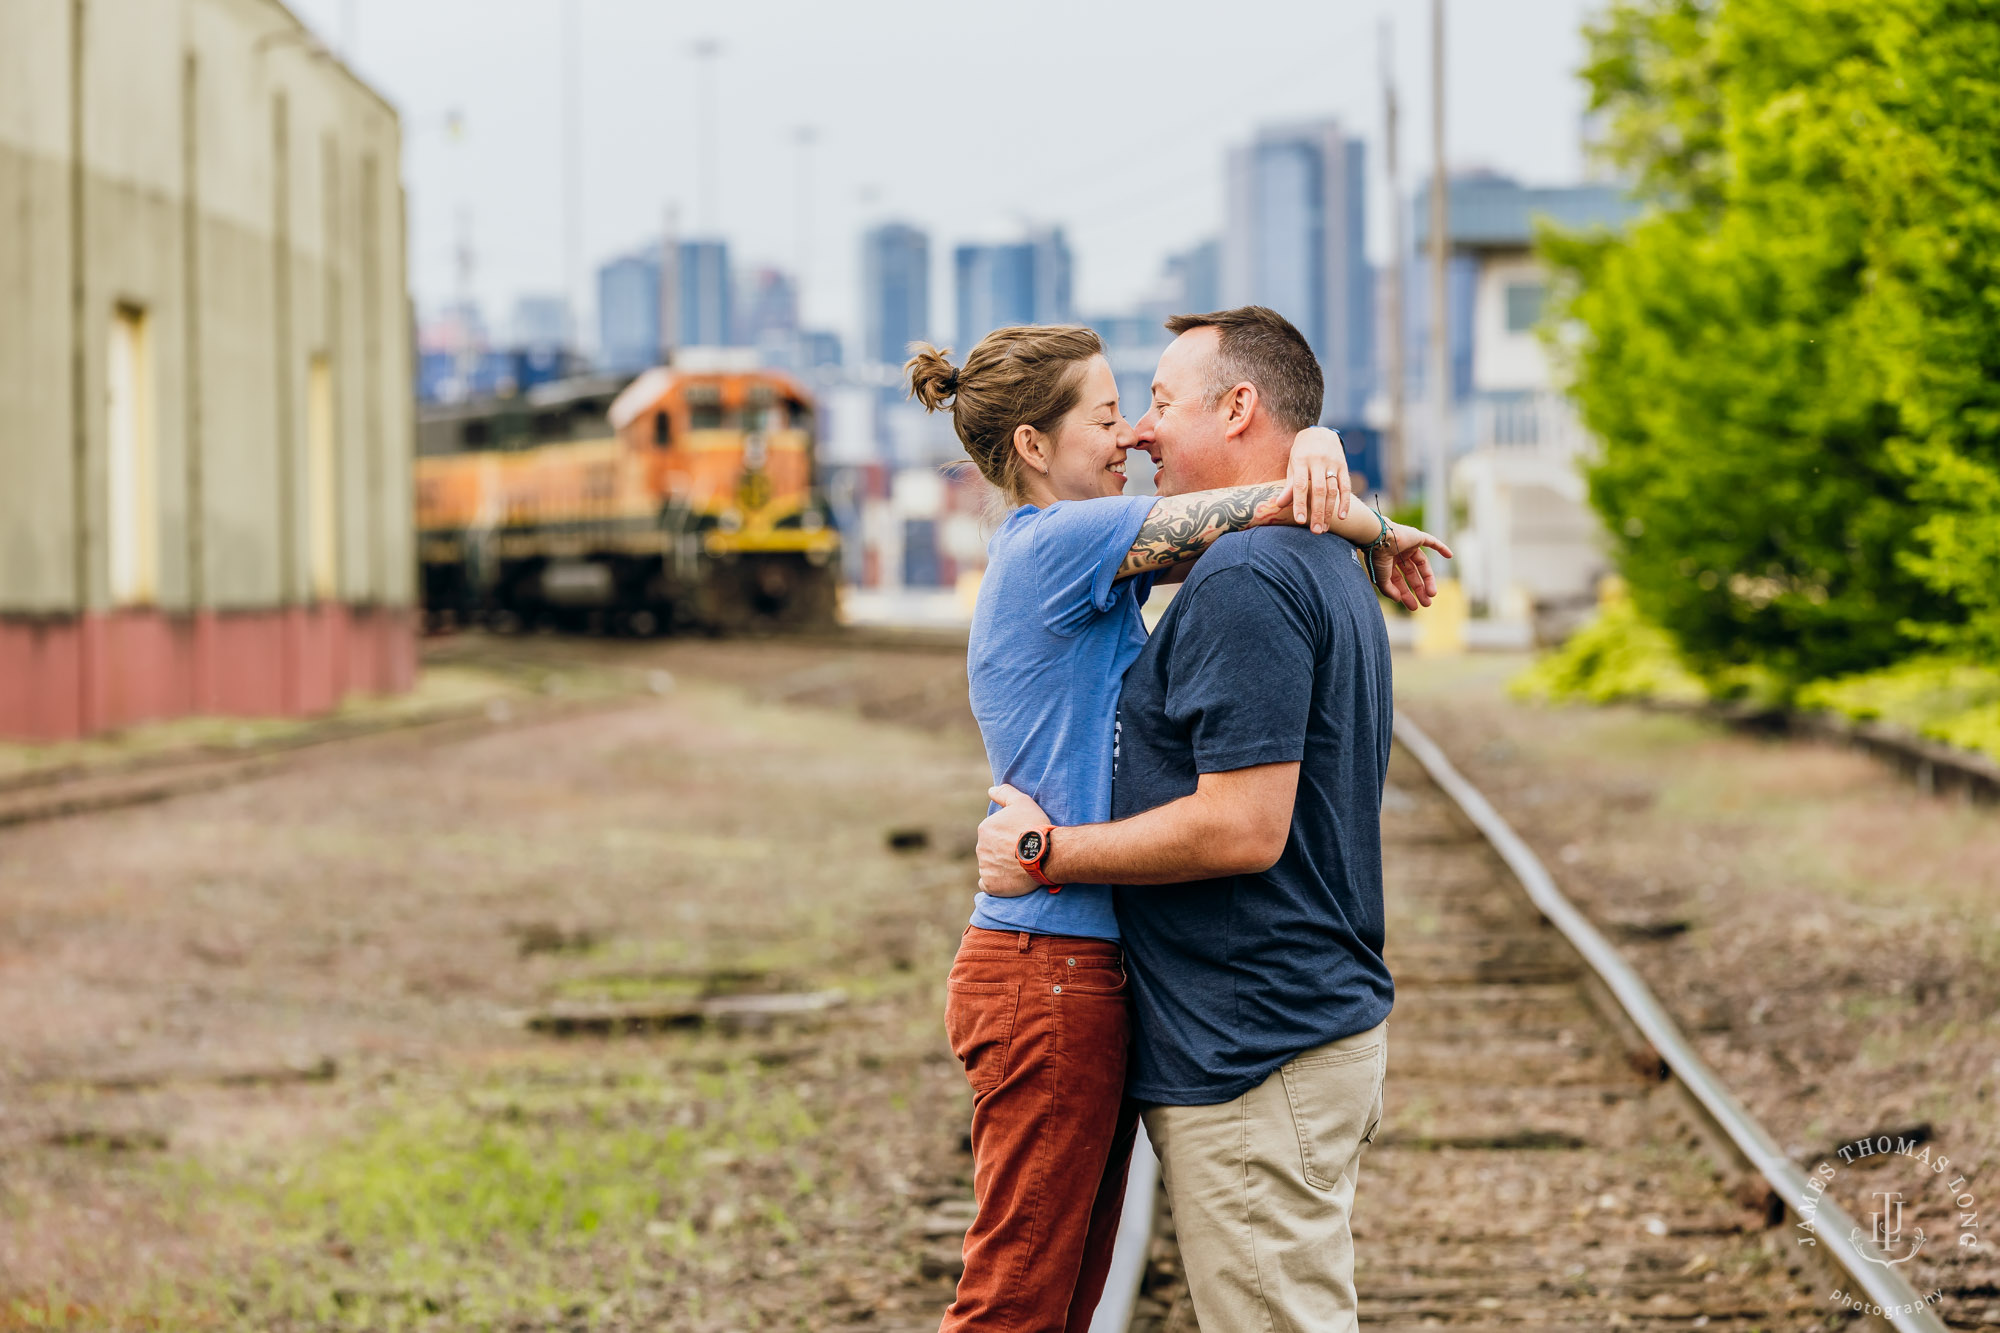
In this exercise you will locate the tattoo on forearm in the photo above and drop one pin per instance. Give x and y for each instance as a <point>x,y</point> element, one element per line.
<point>1181,527</point>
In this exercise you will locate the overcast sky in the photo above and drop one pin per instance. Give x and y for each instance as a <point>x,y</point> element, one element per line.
<point>1109,117</point>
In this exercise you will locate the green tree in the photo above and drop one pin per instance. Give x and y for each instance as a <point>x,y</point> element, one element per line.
<point>1793,360</point>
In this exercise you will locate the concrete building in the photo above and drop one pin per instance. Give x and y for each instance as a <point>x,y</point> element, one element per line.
<point>1531,542</point>
<point>1194,279</point>
<point>767,307</point>
<point>1294,239</point>
<point>818,349</point>
<point>205,383</point>
<point>630,297</point>
<point>704,296</point>
<point>628,312</point>
<point>1020,282</point>
<point>895,292</point>
<point>542,322</point>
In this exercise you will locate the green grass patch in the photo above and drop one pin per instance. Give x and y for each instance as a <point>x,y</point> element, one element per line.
<point>632,989</point>
<point>1621,657</point>
<point>530,1190</point>
<point>542,1162</point>
<point>1955,702</point>
<point>1618,656</point>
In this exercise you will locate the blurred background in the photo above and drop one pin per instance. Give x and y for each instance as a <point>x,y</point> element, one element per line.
<point>421,241</point>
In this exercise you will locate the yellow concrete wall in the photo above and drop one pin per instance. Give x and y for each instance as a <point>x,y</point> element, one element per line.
<point>225,162</point>
<point>36,559</point>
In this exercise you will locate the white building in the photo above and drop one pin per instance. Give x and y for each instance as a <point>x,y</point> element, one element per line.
<point>1529,539</point>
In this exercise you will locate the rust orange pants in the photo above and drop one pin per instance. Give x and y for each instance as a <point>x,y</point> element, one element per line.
<point>1042,1024</point>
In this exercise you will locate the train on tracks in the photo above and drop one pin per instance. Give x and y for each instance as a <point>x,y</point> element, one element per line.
<point>685,500</point>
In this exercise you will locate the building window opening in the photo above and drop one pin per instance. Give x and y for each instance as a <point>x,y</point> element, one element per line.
<point>322,483</point>
<point>1524,305</point>
<point>132,464</point>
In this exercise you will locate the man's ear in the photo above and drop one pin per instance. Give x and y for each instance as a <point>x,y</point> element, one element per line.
<point>1028,444</point>
<point>1240,408</point>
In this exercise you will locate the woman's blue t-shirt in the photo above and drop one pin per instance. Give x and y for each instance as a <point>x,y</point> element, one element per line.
<point>1051,637</point>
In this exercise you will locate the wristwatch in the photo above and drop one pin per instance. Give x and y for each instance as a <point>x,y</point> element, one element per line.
<point>1031,851</point>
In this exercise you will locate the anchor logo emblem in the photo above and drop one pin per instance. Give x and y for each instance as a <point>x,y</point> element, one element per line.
<point>1887,1233</point>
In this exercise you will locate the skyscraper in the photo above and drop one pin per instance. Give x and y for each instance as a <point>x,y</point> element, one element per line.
<point>1022,282</point>
<point>1295,240</point>
<point>1054,303</point>
<point>703,293</point>
<point>895,291</point>
<point>767,307</point>
<point>540,322</point>
<point>628,312</point>
<point>1194,278</point>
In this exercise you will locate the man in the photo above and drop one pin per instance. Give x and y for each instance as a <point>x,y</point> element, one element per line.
<point>1253,743</point>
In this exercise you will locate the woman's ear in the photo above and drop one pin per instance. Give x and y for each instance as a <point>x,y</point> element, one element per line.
<point>1028,444</point>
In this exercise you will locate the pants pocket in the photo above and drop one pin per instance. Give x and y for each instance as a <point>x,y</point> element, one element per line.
<point>979,1020</point>
<point>1336,1099</point>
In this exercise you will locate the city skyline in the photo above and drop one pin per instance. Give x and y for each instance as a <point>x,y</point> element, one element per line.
<point>895,94</point>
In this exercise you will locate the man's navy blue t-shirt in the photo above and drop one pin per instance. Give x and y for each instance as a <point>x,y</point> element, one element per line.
<point>1274,651</point>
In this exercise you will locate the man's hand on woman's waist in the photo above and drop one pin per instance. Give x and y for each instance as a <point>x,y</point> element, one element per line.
<point>1000,872</point>
<point>1236,822</point>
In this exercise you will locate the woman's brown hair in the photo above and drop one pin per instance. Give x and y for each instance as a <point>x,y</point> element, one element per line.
<point>1030,374</point>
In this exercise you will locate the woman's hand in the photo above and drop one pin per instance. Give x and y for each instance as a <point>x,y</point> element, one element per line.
<point>1403,570</point>
<point>1000,872</point>
<point>1321,488</point>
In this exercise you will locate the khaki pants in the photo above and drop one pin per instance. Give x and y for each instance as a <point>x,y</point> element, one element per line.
<point>1262,1189</point>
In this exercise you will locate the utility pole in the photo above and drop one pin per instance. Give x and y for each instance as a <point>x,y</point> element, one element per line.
<point>1395,452</point>
<point>706,210</point>
<point>463,262</point>
<point>670,286</point>
<point>572,113</point>
<point>1437,505</point>
<point>463,259</point>
<point>804,137</point>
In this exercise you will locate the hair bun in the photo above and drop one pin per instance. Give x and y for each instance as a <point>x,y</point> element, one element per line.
<point>933,379</point>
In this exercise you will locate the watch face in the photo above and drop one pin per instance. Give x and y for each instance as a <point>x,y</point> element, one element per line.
<point>1030,848</point>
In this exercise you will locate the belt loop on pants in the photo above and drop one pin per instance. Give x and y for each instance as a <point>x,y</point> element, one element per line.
<point>1024,940</point>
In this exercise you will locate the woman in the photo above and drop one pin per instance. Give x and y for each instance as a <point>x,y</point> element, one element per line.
<point>1036,1005</point>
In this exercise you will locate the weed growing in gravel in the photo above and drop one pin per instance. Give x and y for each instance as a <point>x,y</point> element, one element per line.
<point>565,1193</point>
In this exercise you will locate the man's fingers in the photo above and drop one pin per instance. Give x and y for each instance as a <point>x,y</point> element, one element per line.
<point>1005,795</point>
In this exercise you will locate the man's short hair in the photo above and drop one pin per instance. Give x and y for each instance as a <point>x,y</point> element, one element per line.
<point>1259,346</point>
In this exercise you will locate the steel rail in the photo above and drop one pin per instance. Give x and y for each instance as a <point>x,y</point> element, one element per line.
<point>1135,1239</point>
<point>1899,1303</point>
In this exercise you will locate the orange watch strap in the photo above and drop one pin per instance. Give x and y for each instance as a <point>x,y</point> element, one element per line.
<point>1034,866</point>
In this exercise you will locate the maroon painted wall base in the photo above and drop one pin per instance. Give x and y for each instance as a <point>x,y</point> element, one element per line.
<point>67,676</point>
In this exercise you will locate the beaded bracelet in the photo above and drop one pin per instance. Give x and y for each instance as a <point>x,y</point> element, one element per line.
<point>1368,553</point>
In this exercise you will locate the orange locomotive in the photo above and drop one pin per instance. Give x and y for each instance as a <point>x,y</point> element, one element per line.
<point>695,509</point>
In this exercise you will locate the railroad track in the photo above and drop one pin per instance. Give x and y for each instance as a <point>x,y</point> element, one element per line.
<point>1553,1154</point>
